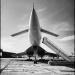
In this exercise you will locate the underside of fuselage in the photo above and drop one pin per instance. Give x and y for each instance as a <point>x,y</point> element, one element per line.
<point>39,51</point>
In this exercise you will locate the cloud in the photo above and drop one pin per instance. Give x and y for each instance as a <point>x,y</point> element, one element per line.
<point>17,45</point>
<point>23,17</point>
<point>67,38</point>
<point>64,26</point>
<point>22,27</point>
<point>41,10</point>
<point>6,43</point>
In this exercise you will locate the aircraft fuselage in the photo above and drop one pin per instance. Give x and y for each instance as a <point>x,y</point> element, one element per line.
<point>34,29</point>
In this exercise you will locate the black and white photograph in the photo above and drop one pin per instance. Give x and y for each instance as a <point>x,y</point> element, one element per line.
<point>37,37</point>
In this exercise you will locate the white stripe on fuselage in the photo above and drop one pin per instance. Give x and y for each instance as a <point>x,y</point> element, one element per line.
<point>34,30</point>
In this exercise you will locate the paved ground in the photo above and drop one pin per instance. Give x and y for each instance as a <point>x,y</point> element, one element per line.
<point>20,67</point>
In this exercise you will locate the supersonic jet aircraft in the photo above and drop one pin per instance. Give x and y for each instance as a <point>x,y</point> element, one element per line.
<point>34,33</point>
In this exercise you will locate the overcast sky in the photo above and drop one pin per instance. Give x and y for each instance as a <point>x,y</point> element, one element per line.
<point>54,15</point>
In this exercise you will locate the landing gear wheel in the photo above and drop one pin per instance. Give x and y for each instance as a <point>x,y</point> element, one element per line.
<point>35,62</point>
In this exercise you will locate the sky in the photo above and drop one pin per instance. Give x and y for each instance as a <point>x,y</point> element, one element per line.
<point>54,15</point>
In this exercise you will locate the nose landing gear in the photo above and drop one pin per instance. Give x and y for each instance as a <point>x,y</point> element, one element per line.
<point>35,53</point>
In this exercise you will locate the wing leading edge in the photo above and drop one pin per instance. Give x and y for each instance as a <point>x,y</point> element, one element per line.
<point>42,30</point>
<point>18,33</point>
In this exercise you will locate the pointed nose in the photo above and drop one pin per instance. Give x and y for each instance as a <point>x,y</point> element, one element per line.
<point>34,17</point>
<point>33,11</point>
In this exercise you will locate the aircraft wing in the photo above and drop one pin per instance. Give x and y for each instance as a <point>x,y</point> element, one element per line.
<point>19,54</point>
<point>48,32</point>
<point>18,33</point>
<point>51,54</point>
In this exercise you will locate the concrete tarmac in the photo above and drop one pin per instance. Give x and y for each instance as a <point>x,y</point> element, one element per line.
<point>20,67</point>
